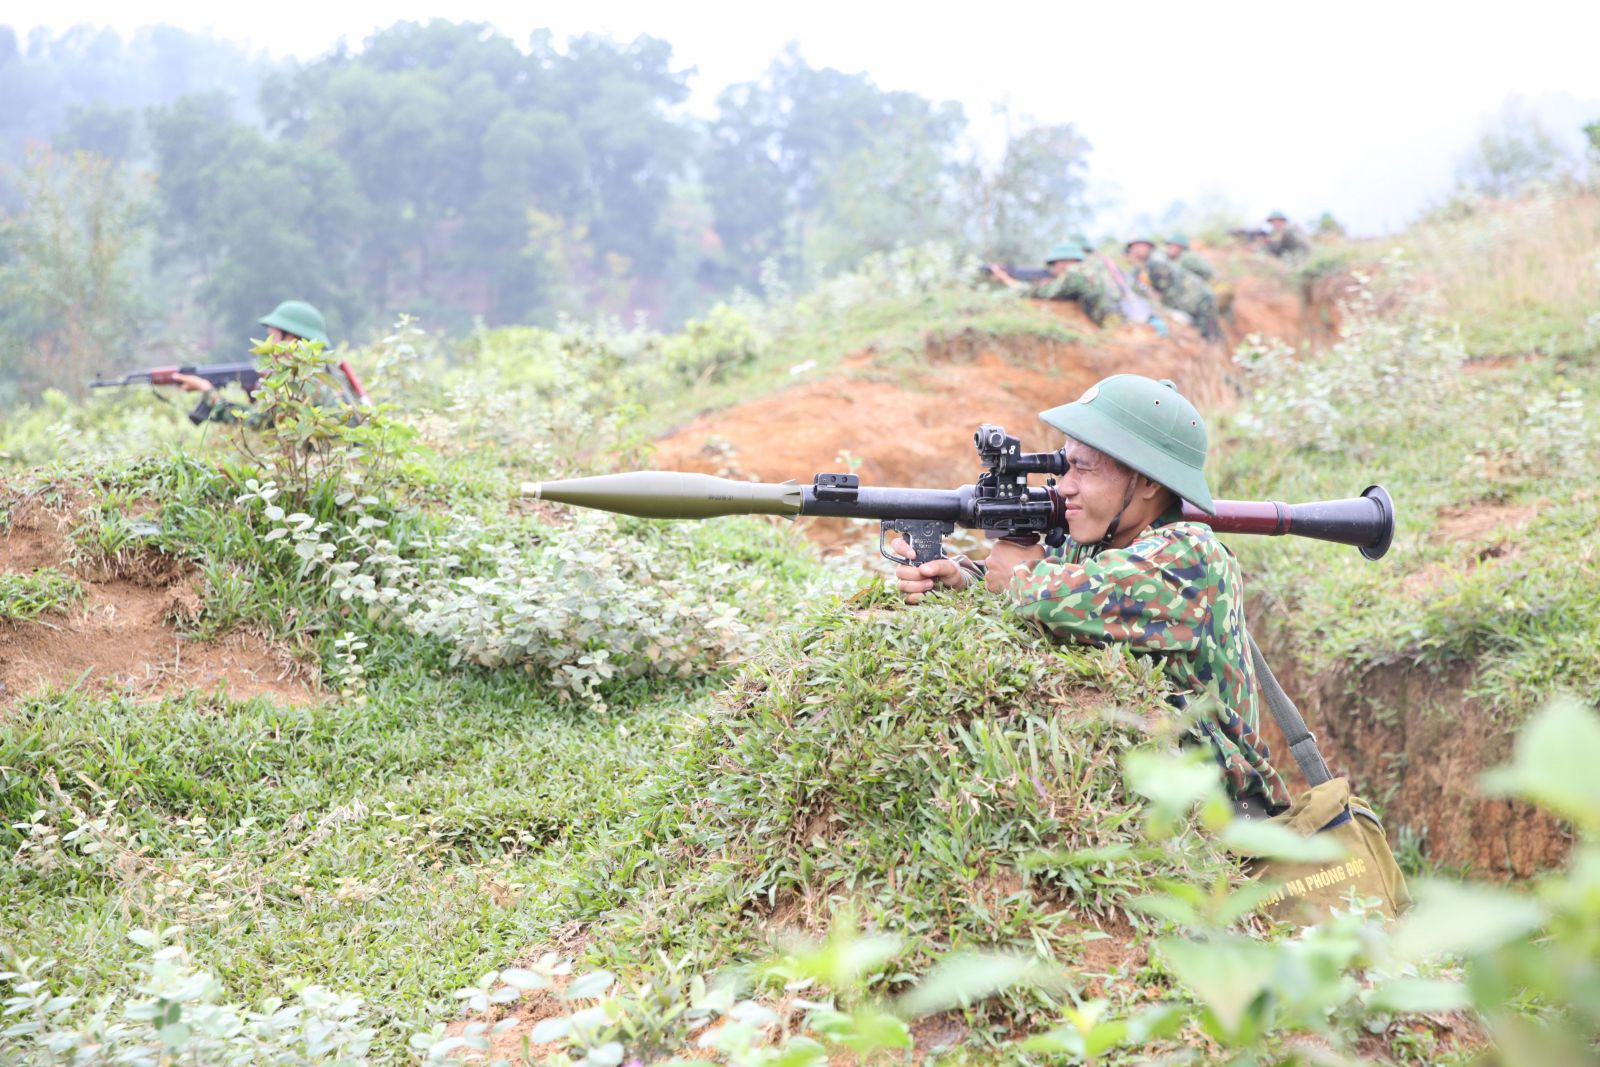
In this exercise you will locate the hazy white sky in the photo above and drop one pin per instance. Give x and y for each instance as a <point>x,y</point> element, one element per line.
<point>1356,106</point>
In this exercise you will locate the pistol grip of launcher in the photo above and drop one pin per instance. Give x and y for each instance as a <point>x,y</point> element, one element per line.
<point>925,536</point>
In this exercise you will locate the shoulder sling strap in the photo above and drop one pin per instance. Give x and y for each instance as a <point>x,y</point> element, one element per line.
<point>1302,742</point>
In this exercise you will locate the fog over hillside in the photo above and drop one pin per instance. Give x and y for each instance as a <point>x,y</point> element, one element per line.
<point>1359,109</point>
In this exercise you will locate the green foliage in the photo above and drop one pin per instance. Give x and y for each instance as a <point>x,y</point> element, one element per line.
<point>306,430</point>
<point>1386,370</point>
<point>1394,394</point>
<point>176,1012</point>
<point>1516,275</point>
<point>25,597</point>
<point>446,169</point>
<point>940,770</point>
<point>69,304</point>
<point>1036,196</point>
<point>259,220</point>
<point>85,87</point>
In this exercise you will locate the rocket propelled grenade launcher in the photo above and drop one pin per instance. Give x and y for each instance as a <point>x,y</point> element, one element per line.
<point>1002,502</point>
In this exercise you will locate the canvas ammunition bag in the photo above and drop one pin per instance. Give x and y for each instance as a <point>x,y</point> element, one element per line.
<point>1308,892</point>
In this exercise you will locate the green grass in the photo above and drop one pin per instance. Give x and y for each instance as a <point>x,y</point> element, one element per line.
<point>940,772</point>
<point>1515,599</point>
<point>396,848</point>
<point>25,597</point>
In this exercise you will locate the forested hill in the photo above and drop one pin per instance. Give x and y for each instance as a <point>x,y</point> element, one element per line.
<point>449,171</point>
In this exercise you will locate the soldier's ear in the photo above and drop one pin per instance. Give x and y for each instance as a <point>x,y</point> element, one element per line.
<point>1145,489</point>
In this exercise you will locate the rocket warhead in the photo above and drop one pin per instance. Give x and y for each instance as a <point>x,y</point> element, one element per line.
<point>670,495</point>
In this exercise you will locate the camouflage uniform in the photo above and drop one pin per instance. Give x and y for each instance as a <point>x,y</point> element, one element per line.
<point>1183,291</point>
<point>214,407</point>
<point>1080,282</point>
<point>1176,593</point>
<point>1288,243</point>
<point>1194,264</point>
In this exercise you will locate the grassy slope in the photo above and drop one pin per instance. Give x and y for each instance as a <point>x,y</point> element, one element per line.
<point>397,845</point>
<point>400,846</point>
<point>1515,597</point>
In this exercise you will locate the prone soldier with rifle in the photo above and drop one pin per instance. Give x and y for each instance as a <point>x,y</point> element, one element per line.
<point>290,322</point>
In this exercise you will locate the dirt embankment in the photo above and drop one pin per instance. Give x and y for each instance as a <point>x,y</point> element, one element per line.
<point>1416,743</point>
<point>123,635</point>
<point>914,427</point>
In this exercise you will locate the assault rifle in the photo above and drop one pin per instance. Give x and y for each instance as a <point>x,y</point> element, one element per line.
<point>1001,502</point>
<point>1021,274</point>
<point>1251,237</point>
<point>247,375</point>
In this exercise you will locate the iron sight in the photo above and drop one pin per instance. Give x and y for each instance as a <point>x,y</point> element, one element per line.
<point>1001,503</point>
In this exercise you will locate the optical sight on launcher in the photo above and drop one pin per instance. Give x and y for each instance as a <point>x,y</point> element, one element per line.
<point>1001,503</point>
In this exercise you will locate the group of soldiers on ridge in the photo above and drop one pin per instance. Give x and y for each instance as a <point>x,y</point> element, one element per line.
<point>1151,285</point>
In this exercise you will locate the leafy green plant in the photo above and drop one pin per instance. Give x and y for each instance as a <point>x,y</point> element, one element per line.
<point>1388,369</point>
<point>174,1013</point>
<point>305,430</point>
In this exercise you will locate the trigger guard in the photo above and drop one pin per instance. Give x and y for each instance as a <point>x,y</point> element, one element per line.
<point>883,546</point>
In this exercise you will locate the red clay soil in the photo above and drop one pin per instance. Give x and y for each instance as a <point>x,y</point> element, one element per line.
<point>915,428</point>
<point>122,637</point>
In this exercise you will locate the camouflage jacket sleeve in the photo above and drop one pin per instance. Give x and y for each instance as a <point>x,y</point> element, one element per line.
<point>1164,277</point>
<point>1198,266</point>
<point>1140,595</point>
<point>1174,592</point>
<point>1050,287</point>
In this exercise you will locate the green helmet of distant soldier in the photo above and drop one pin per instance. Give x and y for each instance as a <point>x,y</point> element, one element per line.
<point>298,319</point>
<point>1180,240</point>
<point>1147,426</point>
<point>1068,250</point>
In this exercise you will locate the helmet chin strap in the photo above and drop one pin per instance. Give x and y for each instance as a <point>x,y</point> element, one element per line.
<point>1090,551</point>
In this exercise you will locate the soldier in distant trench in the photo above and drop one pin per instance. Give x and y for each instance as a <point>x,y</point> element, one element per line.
<point>292,320</point>
<point>1071,279</point>
<point>1179,253</point>
<point>1135,572</point>
<point>1286,241</point>
<point>1179,289</point>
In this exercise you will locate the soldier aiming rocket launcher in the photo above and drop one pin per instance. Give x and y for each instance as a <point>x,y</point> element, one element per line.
<point>1002,503</point>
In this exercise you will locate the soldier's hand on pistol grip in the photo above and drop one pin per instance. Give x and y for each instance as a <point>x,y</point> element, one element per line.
<point>914,581</point>
<point>1004,559</point>
<point>191,383</point>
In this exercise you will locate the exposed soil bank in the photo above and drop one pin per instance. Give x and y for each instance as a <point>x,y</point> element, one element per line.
<point>124,636</point>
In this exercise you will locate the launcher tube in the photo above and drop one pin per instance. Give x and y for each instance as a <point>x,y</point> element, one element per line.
<point>867,502</point>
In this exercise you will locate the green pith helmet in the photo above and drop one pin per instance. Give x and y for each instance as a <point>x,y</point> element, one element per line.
<point>1144,424</point>
<point>1277,215</point>
<point>1180,240</point>
<point>1083,240</point>
<point>298,318</point>
<point>1139,240</point>
<point>1064,251</point>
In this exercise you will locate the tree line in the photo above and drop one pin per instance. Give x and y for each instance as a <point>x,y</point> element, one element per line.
<point>175,185</point>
